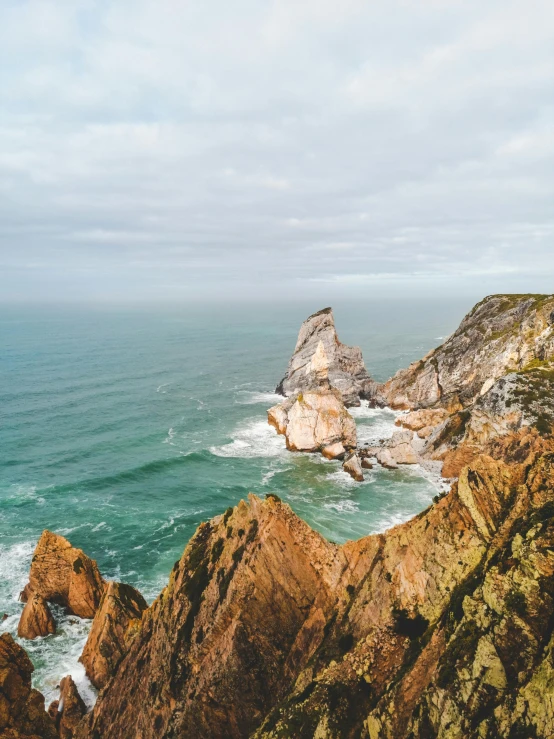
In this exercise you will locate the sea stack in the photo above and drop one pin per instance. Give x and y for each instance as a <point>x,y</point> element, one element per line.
<point>346,371</point>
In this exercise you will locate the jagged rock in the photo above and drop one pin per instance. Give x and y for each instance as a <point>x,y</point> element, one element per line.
<point>275,616</point>
<point>25,593</point>
<point>68,711</point>
<point>316,420</point>
<point>36,619</point>
<point>366,464</point>
<point>318,354</point>
<point>112,629</point>
<point>22,713</point>
<point>502,334</point>
<point>353,466</point>
<point>334,451</point>
<point>63,574</point>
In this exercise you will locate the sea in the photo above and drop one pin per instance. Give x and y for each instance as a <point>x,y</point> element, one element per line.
<point>124,427</point>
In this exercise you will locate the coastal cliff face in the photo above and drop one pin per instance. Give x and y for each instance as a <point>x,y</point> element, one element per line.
<point>345,364</point>
<point>440,627</point>
<point>502,334</point>
<point>266,629</point>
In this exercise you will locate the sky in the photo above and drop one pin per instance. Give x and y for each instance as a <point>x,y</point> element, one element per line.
<point>176,150</point>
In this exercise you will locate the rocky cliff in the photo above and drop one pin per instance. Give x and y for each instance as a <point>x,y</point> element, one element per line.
<point>440,627</point>
<point>266,629</point>
<point>502,334</point>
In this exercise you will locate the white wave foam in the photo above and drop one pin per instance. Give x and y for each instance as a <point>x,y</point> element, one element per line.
<point>342,478</point>
<point>389,520</point>
<point>15,561</point>
<point>160,388</point>
<point>343,506</point>
<point>374,424</point>
<point>253,438</point>
<point>169,438</point>
<point>248,397</point>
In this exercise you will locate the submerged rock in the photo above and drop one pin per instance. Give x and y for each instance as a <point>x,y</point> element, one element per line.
<point>36,619</point>
<point>115,622</point>
<point>319,353</point>
<point>22,712</point>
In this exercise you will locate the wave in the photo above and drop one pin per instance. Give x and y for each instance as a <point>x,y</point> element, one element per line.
<point>253,438</point>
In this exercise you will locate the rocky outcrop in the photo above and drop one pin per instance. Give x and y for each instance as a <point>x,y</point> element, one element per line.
<point>502,334</point>
<point>22,714</point>
<point>265,628</point>
<point>353,466</point>
<point>399,449</point>
<point>68,711</point>
<point>36,619</point>
<point>113,628</point>
<point>318,350</point>
<point>63,574</point>
<point>315,421</point>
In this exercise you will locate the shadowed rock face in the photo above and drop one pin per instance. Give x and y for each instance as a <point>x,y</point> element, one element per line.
<point>68,711</point>
<point>62,574</point>
<point>266,627</point>
<point>22,714</point>
<point>115,622</point>
<point>318,345</point>
<point>36,619</point>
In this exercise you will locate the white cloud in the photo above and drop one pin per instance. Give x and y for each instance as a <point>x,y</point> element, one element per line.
<point>332,142</point>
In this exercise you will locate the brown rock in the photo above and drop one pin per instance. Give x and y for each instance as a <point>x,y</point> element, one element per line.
<point>418,420</point>
<point>22,713</point>
<point>248,617</point>
<point>366,464</point>
<point>69,710</point>
<point>36,619</point>
<point>353,466</point>
<point>63,574</point>
<point>25,593</point>
<point>111,631</point>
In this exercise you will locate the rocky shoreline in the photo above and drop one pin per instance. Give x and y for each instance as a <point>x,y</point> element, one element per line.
<point>440,627</point>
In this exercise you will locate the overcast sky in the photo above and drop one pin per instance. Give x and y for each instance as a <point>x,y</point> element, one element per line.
<point>207,148</point>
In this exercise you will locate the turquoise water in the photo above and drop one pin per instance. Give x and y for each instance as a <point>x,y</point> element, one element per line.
<point>124,428</point>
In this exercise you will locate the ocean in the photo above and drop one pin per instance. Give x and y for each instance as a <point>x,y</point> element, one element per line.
<point>123,428</point>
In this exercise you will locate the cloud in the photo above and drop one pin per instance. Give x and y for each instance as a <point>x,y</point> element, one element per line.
<point>249,148</point>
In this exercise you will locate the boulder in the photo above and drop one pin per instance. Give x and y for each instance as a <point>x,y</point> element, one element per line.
<point>318,419</point>
<point>22,712</point>
<point>319,354</point>
<point>366,464</point>
<point>63,574</point>
<point>353,466</point>
<point>334,451</point>
<point>36,619</point>
<point>121,606</point>
<point>68,711</point>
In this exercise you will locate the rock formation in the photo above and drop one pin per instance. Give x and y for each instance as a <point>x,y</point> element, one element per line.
<point>318,348</point>
<point>315,421</point>
<point>36,619</point>
<point>440,627</point>
<point>353,466</point>
<point>62,574</point>
<point>502,334</point>
<point>22,714</point>
<point>68,711</point>
<point>115,622</point>
<point>267,629</point>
